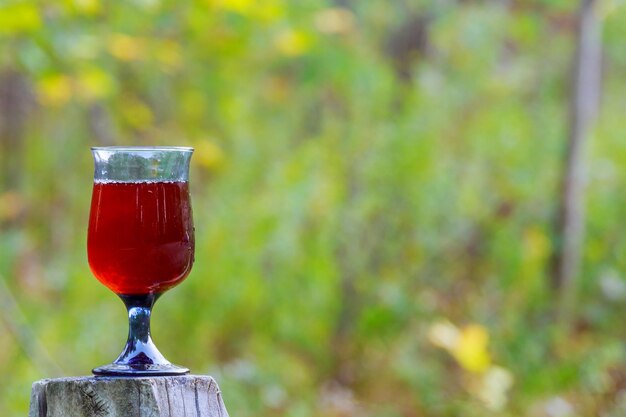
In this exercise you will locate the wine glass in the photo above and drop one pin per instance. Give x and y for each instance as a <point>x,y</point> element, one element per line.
<point>140,241</point>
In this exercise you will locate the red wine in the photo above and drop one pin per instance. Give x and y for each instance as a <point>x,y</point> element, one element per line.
<point>141,237</point>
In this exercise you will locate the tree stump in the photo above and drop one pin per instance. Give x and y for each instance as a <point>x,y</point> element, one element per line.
<point>178,396</point>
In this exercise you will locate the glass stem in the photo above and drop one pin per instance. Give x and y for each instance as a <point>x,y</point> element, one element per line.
<point>140,350</point>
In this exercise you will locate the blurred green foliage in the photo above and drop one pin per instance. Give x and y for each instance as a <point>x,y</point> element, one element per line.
<point>374,188</point>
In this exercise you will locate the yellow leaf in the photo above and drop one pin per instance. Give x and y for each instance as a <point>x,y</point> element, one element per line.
<point>238,6</point>
<point>19,18</point>
<point>93,84</point>
<point>136,113</point>
<point>271,11</point>
<point>209,155</point>
<point>169,55</point>
<point>334,21</point>
<point>471,348</point>
<point>54,90</point>
<point>536,244</point>
<point>259,10</point>
<point>87,7</point>
<point>292,42</point>
<point>193,105</point>
<point>126,48</point>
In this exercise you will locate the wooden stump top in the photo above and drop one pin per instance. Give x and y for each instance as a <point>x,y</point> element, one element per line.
<point>177,396</point>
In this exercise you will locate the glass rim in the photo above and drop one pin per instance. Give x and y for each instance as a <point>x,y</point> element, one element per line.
<point>144,148</point>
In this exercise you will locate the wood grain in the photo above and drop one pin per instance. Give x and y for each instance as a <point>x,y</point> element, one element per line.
<point>179,396</point>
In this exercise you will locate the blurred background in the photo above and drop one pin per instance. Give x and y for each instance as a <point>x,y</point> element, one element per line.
<point>380,219</point>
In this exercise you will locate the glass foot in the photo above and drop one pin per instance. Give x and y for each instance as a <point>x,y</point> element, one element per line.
<point>115,369</point>
<point>140,356</point>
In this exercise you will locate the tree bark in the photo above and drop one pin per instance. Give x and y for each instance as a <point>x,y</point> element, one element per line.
<point>16,105</point>
<point>583,109</point>
<point>179,396</point>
